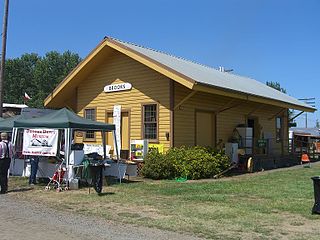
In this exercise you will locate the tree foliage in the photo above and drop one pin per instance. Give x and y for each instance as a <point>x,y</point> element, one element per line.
<point>36,75</point>
<point>277,86</point>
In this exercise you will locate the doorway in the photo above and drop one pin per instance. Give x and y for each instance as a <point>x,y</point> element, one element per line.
<point>205,129</point>
<point>124,132</point>
<point>253,122</point>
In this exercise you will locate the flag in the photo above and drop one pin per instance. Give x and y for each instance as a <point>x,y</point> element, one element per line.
<point>26,97</point>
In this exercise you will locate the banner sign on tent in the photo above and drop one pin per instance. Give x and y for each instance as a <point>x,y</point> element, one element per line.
<point>40,142</point>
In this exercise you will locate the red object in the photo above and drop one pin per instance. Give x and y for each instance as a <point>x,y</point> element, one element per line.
<point>26,97</point>
<point>305,158</point>
<point>58,175</point>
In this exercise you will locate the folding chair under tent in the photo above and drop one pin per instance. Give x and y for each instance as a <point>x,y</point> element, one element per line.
<point>69,122</point>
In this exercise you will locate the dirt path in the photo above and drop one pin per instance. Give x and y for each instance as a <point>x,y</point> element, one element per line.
<point>25,220</point>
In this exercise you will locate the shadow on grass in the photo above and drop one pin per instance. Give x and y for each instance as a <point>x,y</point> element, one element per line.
<point>105,194</point>
<point>23,189</point>
<point>113,181</point>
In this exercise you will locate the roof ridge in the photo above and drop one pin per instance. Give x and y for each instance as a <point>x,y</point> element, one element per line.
<point>177,57</point>
<point>163,52</point>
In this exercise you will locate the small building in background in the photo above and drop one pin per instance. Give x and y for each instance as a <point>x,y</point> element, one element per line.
<point>11,109</point>
<point>305,140</point>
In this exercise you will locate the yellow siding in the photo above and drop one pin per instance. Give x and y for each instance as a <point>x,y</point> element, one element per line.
<point>184,116</point>
<point>148,86</point>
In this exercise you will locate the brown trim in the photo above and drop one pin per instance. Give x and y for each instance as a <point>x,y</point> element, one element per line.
<point>118,46</point>
<point>277,114</point>
<point>185,99</point>
<point>77,68</point>
<point>171,91</point>
<point>249,97</point>
<point>214,125</point>
<point>95,118</point>
<point>215,129</point>
<point>192,81</point>
<point>142,121</point>
<point>76,105</point>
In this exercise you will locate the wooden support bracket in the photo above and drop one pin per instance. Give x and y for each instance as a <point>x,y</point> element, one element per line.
<point>185,99</point>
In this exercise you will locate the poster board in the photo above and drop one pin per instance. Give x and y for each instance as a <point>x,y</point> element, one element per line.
<point>40,142</point>
<point>138,149</point>
<point>157,146</point>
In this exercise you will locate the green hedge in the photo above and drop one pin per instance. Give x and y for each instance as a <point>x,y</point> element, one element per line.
<point>186,162</point>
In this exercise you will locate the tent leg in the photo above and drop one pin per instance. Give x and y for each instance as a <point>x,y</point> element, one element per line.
<point>103,134</point>
<point>117,152</point>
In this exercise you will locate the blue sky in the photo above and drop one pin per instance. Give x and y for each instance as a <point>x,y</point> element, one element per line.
<point>268,40</point>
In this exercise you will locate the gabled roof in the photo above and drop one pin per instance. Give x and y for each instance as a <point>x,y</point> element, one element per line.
<point>192,75</point>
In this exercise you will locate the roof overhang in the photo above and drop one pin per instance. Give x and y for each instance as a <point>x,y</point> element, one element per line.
<point>249,97</point>
<point>108,44</point>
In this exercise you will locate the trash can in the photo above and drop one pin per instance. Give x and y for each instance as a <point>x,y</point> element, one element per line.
<point>316,187</point>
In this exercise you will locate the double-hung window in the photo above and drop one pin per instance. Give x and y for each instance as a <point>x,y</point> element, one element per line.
<point>150,122</point>
<point>90,114</point>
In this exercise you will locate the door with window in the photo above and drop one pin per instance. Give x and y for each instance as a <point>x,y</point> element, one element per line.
<point>125,125</point>
<point>253,122</point>
<point>205,129</point>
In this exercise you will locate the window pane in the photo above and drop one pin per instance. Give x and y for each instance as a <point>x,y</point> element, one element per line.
<point>90,114</point>
<point>150,121</point>
<point>150,131</point>
<point>150,113</point>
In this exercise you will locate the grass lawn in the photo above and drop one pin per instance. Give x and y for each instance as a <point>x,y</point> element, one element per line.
<point>266,205</point>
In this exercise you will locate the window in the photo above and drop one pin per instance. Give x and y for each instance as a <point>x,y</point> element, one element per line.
<point>150,122</point>
<point>90,114</point>
<point>278,129</point>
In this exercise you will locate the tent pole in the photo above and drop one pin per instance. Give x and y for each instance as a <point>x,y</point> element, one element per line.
<point>14,133</point>
<point>116,149</point>
<point>103,133</point>
<point>115,144</point>
<point>67,141</point>
<point>13,140</point>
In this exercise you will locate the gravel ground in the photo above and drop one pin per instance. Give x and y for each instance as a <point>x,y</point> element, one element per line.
<point>25,220</point>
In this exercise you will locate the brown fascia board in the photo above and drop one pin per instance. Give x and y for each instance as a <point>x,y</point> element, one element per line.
<point>68,78</point>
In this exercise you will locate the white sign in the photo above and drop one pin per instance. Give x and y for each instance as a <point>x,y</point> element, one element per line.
<point>40,142</point>
<point>117,123</point>
<point>117,87</point>
<point>98,148</point>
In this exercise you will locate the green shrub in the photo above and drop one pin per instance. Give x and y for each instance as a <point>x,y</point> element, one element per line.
<point>187,162</point>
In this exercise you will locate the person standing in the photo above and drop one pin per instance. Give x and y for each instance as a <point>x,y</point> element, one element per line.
<point>6,153</point>
<point>34,162</point>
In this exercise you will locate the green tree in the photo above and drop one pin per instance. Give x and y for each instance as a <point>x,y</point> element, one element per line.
<point>277,86</point>
<point>36,75</point>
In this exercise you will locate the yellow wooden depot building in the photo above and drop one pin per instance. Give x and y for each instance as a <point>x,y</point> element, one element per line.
<point>173,101</point>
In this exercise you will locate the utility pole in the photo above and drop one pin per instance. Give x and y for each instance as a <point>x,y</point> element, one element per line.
<point>3,51</point>
<point>311,102</point>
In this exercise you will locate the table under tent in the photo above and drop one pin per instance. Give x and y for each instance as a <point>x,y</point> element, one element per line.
<point>66,123</point>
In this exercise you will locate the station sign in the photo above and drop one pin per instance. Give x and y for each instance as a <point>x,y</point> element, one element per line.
<point>117,87</point>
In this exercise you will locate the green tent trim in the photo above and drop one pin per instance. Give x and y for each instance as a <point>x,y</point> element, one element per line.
<point>61,119</point>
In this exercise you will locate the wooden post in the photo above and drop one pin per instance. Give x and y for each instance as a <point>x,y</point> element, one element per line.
<point>3,51</point>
